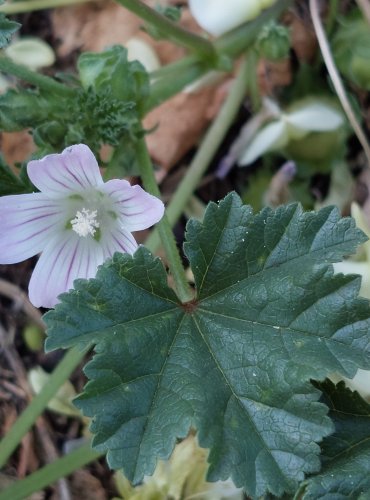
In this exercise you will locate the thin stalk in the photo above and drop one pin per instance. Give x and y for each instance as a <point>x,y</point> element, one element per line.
<point>25,421</point>
<point>31,5</point>
<point>174,77</point>
<point>336,79</point>
<point>186,71</point>
<point>239,39</point>
<point>167,238</point>
<point>50,473</point>
<point>331,15</point>
<point>34,78</point>
<point>172,31</point>
<point>205,153</point>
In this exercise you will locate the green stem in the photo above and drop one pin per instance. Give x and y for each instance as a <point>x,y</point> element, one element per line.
<point>206,151</point>
<point>50,473</point>
<point>174,77</point>
<point>186,71</point>
<point>172,31</point>
<point>41,81</point>
<point>22,425</point>
<point>239,39</point>
<point>167,238</point>
<point>31,5</point>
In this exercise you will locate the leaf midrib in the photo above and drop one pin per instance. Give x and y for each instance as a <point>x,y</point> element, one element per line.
<point>264,445</point>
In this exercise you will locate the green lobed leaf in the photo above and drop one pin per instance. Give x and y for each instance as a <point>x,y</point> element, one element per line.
<point>346,453</point>
<point>111,72</point>
<point>7,28</point>
<point>235,363</point>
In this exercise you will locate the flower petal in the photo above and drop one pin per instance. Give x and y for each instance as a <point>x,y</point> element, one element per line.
<point>60,175</point>
<point>66,258</point>
<point>218,17</point>
<point>118,240</point>
<point>272,136</point>
<point>316,117</point>
<point>137,209</point>
<point>27,221</point>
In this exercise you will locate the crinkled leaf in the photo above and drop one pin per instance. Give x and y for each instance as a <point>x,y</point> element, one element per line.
<point>7,28</point>
<point>346,453</point>
<point>111,70</point>
<point>235,363</point>
<point>22,109</point>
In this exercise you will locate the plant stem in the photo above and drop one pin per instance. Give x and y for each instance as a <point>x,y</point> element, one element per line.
<point>25,421</point>
<point>239,39</point>
<point>41,81</point>
<point>168,240</point>
<point>336,79</point>
<point>50,473</point>
<point>31,5</point>
<point>206,151</point>
<point>172,31</point>
<point>186,71</point>
<point>174,77</point>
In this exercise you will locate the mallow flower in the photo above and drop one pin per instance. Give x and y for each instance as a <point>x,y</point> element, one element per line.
<point>219,16</point>
<point>76,221</point>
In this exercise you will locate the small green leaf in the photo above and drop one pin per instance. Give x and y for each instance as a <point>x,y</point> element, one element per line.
<point>7,28</point>
<point>236,362</point>
<point>21,109</point>
<point>346,453</point>
<point>111,72</point>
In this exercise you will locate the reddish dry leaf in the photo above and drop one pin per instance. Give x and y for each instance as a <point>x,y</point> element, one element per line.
<point>304,42</point>
<point>272,74</point>
<point>181,121</point>
<point>16,147</point>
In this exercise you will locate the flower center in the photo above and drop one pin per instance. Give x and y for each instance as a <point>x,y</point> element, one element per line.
<point>85,222</point>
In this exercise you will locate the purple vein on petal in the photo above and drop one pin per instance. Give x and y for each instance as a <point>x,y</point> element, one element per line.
<point>72,173</point>
<point>68,274</point>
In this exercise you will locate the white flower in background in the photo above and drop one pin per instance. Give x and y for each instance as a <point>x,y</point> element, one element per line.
<point>306,117</point>
<point>77,221</point>
<point>219,16</point>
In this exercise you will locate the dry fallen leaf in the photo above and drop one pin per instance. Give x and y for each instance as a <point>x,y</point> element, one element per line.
<point>16,146</point>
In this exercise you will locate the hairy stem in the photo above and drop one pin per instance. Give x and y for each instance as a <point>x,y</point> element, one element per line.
<point>41,81</point>
<point>174,77</point>
<point>164,229</point>
<point>206,151</point>
<point>50,473</point>
<point>31,5</point>
<point>172,31</point>
<point>25,421</point>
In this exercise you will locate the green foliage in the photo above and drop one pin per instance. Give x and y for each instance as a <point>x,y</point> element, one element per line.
<point>7,28</point>
<point>105,110</point>
<point>171,12</point>
<point>110,73</point>
<point>346,453</point>
<point>273,42</point>
<point>236,362</point>
<point>10,183</point>
<point>351,49</point>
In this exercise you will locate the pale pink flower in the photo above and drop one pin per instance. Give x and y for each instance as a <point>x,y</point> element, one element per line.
<point>77,221</point>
